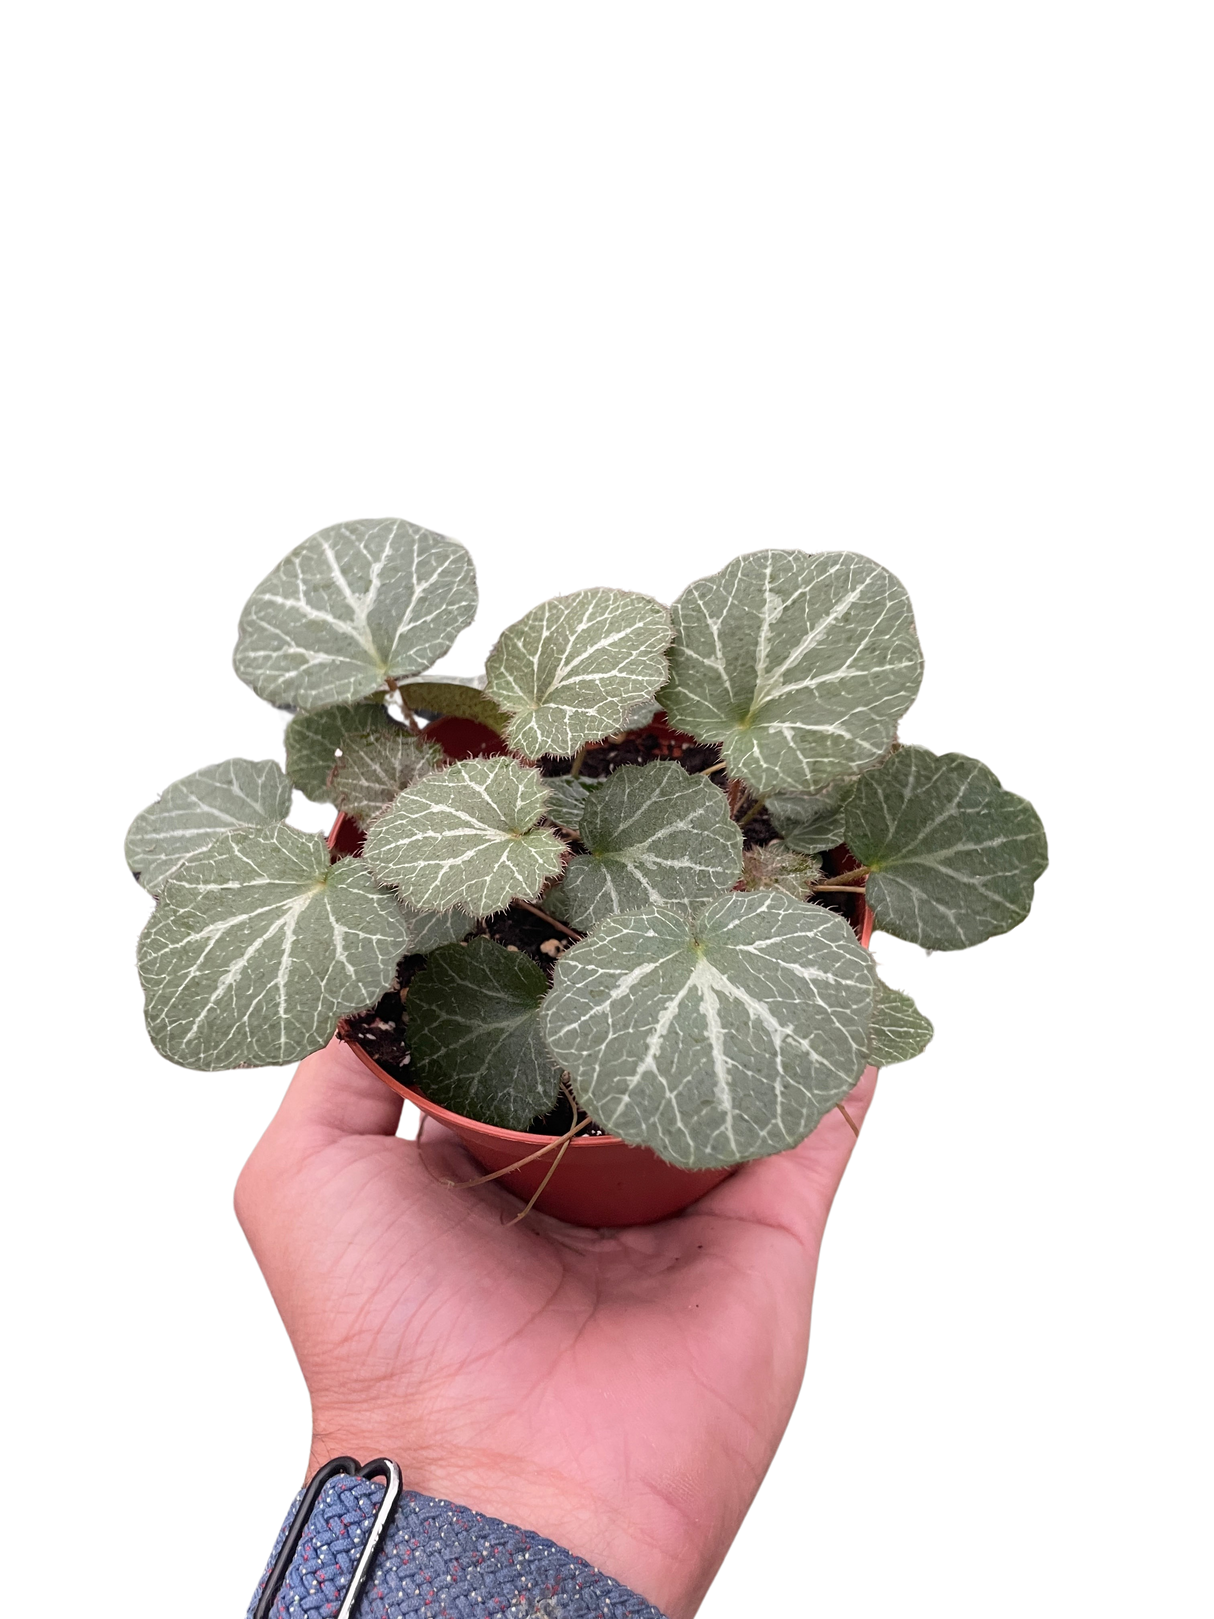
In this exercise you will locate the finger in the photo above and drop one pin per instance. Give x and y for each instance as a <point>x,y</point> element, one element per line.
<point>795,1189</point>
<point>335,1094</point>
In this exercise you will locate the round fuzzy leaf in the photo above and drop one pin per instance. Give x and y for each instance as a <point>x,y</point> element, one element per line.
<point>954,856</point>
<point>800,666</point>
<point>193,812</point>
<point>467,836</point>
<point>809,823</point>
<point>454,699</point>
<point>715,1039</point>
<point>374,768</point>
<point>474,1035</point>
<point>655,836</point>
<point>899,1029</point>
<point>573,669</point>
<point>350,606</point>
<point>315,741</point>
<point>259,946</point>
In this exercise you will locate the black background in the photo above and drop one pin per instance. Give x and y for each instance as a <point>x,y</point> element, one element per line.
<point>916,1414</point>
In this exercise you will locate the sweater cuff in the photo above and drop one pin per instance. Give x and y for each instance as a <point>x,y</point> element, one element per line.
<point>438,1560</point>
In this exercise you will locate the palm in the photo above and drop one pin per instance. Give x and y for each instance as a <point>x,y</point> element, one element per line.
<point>621,1392</point>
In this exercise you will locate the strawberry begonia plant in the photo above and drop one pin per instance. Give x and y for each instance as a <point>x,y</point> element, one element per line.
<point>692,799</point>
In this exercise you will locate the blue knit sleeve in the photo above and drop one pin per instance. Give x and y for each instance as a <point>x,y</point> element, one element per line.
<point>438,1561</point>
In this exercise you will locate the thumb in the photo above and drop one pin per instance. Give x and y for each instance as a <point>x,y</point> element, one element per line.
<point>795,1189</point>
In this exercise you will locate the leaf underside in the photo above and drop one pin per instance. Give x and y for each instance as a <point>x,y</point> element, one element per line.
<point>351,606</point>
<point>717,1039</point>
<point>467,836</point>
<point>259,946</point>
<point>954,856</point>
<point>656,836</point>
<point>567,798</point>
<point>800,666</point>
<point>455,699</point>
<point>189,815</point>
<point>571,670</point>
<point>475,1038</point>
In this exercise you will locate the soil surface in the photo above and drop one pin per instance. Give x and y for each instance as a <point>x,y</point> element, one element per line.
<point>382,1031</point>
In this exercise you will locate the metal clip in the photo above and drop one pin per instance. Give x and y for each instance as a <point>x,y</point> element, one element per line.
<point>381,1467</point>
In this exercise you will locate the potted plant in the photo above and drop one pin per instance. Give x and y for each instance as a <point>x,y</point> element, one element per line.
<point>604,909</point>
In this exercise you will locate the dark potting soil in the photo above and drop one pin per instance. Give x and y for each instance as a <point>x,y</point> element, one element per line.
<point>382,1030</point>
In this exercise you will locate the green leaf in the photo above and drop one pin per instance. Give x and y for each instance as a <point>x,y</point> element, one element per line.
<point>715,1039</point>
<point>457,699</point>
<point>655,836</point>
<point>259,946</point>
<point>954,856</point>
<point>572,669</point>
<point>775,865</point>
<point>193,812</point>
<point>567,798</point>
<point>810,822</point>
<point>800,666</point>
<point>474,1035</point>
<point>467,836</point>
<point>428,930</point>
<point>314,742</point>
<point>899,1029</point>
<point>351,606</point>
<point>374,768</point>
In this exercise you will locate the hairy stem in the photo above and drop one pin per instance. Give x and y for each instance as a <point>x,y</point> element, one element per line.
<point>578,759</point>
<point>406,712</point>
<point>752,811</point>
<point>544,917</point>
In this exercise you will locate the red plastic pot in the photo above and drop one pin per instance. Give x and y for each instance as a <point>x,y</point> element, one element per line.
<point>600,1180</point>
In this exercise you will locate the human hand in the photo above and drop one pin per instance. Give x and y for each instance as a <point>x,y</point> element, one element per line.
<point>620,1392</point>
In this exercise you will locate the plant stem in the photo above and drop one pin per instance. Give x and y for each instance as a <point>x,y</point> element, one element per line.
<point>837,888</point>
<point>854,1128</point>
<point>720,765</point>
<point>843,879</point>
<point>407,713</point>
<point>752,811</point>
<point>544,917</point>
<point>578,759</point>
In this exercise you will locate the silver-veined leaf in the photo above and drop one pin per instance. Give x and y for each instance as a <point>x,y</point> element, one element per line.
<point>809,822</point>
<point>655,836</point>
<point>351,606</point>
<point>899,1029</point>
<point>474,1035</point>
<point>314,742</point>
<point>374,768</point>
<point>429,930</point>
<point>717,1038</point>
<point>467,836</point>
<point>567,798</point>
<point>259,946</point>
<point>572,670</point>
<point>193,812</point>
<point>457,699</point>
<point>800,666</point>
<point>954,856</point>
<point>775,865</point>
